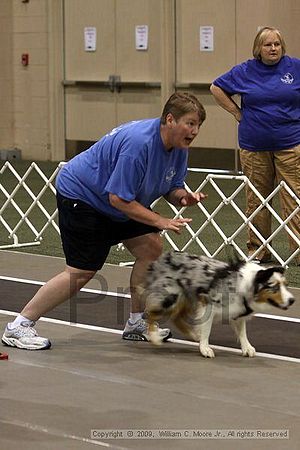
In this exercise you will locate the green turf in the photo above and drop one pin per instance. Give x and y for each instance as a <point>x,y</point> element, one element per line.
<point>227,219</point>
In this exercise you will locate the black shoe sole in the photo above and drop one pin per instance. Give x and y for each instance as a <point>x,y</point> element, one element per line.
<point>134,337</point>
<point>138,337</point>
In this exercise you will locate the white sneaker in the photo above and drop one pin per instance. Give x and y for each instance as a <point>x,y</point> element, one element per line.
<point>25,336</point>
<point>138,331</point>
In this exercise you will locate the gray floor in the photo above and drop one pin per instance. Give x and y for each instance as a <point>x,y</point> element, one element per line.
<point>91,379</point>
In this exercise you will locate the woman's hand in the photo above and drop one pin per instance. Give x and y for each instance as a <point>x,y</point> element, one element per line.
<point>192,198</point>
<point>175,225</point>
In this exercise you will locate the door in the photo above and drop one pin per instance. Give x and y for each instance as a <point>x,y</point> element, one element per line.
<point>196,68</point>
<point>116,81</point>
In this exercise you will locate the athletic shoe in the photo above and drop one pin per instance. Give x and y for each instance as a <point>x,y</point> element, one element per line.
<point>25,336</point>
<point>139,331</point>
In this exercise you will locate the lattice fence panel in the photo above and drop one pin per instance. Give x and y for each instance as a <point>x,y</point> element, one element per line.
<point>219,225</point>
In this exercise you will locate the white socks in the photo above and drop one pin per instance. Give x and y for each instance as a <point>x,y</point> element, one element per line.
<point>134,317</point>
<point>18,320</point>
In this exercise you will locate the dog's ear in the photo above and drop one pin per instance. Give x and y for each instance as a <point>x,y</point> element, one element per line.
<point>263,275</point>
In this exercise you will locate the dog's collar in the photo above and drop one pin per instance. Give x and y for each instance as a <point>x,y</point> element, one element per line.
<point>248,310</point>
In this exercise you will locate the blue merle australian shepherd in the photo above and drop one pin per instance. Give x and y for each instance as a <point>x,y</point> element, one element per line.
<point>192,291</point>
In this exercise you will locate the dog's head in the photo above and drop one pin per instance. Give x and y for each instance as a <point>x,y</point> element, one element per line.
<point>271,289</point>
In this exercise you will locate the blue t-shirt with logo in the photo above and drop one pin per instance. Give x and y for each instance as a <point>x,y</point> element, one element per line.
<point>270,102</point>
<point>131,162</point>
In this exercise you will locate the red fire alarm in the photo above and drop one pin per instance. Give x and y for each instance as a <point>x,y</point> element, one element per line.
<point>25,59</point>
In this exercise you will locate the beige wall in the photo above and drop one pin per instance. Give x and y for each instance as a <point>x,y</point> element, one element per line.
<point>33,116</point>
<point>283,14</point>
<point>31,82</point>
<point>6,74</point>
<point>27,92</point>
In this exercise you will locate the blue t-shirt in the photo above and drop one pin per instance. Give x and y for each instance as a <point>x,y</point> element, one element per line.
<point>131,162</point>
<point>270,102</point>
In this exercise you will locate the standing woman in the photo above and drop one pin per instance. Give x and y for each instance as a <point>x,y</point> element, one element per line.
<point>269,128</point>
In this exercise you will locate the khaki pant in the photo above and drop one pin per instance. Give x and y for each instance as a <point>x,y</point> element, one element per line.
<point>265,170</point>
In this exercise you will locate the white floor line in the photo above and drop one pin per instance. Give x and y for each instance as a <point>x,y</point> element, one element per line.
<point>237,350</point>
<point>274,317</point>
<point>41,283</point>
<point>175,341</point>
<point>58,433</point>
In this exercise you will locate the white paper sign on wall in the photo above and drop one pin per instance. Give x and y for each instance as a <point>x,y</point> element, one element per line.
<point>90,39</point>
<point>141,37</point>
<point>206,39</point>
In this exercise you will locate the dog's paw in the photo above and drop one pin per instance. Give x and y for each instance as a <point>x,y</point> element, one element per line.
<point>206,351</point>
<point>248,351</point>
<point>155,338</point>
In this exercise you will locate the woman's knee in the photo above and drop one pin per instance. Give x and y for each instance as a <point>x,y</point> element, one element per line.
<point>148,247</point>
<point>80,277</point>
<point>156,248</point>
<point>152,249</point>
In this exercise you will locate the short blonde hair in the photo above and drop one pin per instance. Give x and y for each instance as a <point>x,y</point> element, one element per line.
<point>261,37</point>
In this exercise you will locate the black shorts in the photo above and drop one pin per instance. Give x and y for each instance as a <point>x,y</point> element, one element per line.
<point>87,235</point>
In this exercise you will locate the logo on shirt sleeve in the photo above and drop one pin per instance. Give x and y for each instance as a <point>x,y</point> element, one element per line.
<point>287,78</point>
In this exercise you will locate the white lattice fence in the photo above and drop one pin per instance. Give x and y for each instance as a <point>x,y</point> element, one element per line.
<point>224,201</point>
<point>221,219</point>
<point>21,202</point>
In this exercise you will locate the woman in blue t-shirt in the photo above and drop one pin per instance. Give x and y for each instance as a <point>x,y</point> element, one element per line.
<point>268,131</point>
<point>104,196</point>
